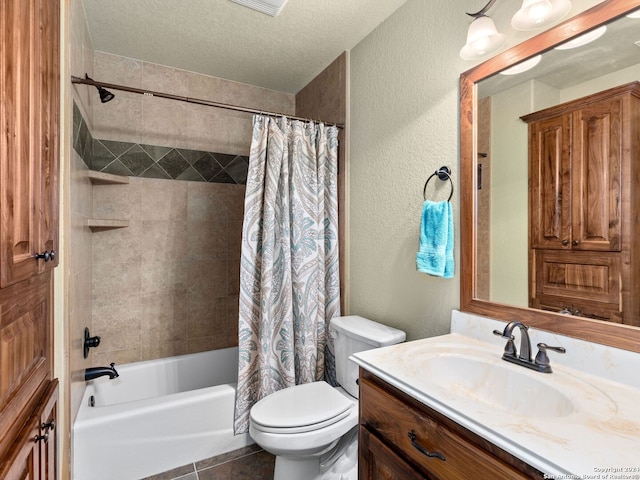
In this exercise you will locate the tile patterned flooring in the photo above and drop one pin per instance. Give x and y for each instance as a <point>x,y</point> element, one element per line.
<point>249,463</point>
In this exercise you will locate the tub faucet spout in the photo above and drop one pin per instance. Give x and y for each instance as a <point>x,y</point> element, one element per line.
<point>95,372</point>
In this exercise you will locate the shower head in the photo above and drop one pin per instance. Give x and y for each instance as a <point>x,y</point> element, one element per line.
<point>105,95</point>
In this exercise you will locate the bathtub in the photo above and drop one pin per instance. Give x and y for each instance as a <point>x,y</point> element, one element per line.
<point>156,416</point>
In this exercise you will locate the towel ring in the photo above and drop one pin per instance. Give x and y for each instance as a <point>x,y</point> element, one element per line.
<point>443,174</point>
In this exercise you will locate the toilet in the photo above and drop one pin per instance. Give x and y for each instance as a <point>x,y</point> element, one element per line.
<point>312,428</point>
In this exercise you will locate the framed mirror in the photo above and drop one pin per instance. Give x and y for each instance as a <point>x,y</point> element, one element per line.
<point>484,289</point>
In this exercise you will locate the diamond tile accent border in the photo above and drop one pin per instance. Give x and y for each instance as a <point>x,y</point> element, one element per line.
<point>154,161</point>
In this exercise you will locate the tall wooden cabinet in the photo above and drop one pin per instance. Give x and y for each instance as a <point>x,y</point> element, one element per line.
<point>29,159</point>
<point>583,197</point>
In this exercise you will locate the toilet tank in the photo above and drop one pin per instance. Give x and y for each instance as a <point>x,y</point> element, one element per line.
<point>353,334</point>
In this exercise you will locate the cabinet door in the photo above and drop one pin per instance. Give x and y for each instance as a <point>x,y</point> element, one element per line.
<point>550,182</point>
<point>29,142</point>
<point>48,144</point>
<point>33,455</point>
<point>379,462</point>
<point>18,168</point>
<point>426,442</point>
<point>25,346</point>
<point>596,183</point>
<point>22,462</point>
<point>47,415</point>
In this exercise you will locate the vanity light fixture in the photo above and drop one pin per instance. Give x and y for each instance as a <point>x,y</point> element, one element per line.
<point>522,66</point>
<point>536,14</point>
<point>482,37</point>
<point>635,14</point>
<point>583,39</point>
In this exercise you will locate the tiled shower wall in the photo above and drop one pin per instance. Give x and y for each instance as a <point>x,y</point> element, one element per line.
<point>168,283</point>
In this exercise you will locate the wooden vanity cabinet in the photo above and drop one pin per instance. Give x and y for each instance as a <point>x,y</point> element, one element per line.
<point>583,193</point>
<point>29,186</point>
<point>398,434</point>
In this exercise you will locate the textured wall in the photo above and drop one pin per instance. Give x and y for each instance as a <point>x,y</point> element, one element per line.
<point>404,126</point>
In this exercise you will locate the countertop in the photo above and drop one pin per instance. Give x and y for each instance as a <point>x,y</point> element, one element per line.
<point>598,437</point>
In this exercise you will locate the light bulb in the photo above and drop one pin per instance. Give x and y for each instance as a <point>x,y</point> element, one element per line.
<point>538,11</point>
<point>536,14</point>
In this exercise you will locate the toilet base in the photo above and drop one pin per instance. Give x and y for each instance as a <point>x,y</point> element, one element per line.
<point>339,462</point>
<point>290,469</point>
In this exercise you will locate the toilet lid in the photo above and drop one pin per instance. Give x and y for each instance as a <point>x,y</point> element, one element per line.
<point>301,408</point>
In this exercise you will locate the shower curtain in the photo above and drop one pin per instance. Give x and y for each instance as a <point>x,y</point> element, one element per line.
<point>289,277</point>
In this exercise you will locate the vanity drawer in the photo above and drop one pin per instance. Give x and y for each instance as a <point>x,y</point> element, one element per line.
<point>579,276</point>
<point>395,422</point>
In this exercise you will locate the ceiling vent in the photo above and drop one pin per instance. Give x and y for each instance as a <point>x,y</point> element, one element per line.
<point>270,7</point>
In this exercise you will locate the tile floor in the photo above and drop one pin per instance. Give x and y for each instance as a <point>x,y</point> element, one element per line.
<point>249,463</point>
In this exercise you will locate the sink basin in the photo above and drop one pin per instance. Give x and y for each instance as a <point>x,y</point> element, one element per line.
<point>509,388</point>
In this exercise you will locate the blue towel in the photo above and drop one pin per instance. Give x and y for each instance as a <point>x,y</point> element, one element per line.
<point>435,255</point>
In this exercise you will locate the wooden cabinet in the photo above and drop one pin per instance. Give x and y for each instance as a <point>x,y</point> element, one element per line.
<point>403,438</point>
<point>583,190</point>
<point>33,454</point>
<point>29,145</point>
<point>29,184</point>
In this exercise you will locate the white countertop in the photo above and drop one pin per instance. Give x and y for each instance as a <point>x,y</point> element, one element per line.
<point>598,437</point>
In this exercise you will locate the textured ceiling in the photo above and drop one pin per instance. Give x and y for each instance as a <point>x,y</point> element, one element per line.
<point>227,40</point>
<point>615,50</point>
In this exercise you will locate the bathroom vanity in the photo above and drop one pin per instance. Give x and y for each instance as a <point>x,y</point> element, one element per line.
<point>449,407</point>
<point>428,442</point>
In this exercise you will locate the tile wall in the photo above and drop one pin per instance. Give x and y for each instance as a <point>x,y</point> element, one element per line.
<point>168,283</point>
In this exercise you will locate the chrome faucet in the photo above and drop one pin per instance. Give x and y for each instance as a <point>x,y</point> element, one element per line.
<point>95,372</point>
<point>523,358</point>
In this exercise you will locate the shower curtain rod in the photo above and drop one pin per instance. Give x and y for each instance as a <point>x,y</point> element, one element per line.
<point>196,101</point>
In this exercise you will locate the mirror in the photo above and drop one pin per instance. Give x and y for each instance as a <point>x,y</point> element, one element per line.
<point>484,289</point>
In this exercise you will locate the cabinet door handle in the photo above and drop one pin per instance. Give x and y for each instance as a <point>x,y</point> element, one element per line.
<point>421,449</point>
<point>46,256</point>
<point>39,438</point>
<point>576,243</point>
<point>565,243</point>
<point>48,426</point>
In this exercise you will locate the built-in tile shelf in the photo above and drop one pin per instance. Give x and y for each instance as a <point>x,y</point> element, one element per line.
<point>98,224</point>
<point>102,178</point>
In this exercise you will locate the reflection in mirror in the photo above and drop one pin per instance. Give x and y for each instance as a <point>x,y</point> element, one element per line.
<point>558,76</point>
<point>499,267</point>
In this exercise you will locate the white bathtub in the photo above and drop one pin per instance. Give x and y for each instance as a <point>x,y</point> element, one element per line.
<point>157,415</point>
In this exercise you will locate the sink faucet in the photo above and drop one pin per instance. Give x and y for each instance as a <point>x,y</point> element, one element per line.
<point>523,358</point>
<point>95,372</point>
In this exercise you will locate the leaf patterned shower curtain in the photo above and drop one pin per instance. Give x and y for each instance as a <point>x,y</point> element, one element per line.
<point>289,276</point>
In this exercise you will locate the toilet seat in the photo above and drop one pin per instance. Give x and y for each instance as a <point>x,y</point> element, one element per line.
<point>301,408</point>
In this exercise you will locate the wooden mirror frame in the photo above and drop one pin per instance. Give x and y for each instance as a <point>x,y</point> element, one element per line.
<point>612,334</point>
